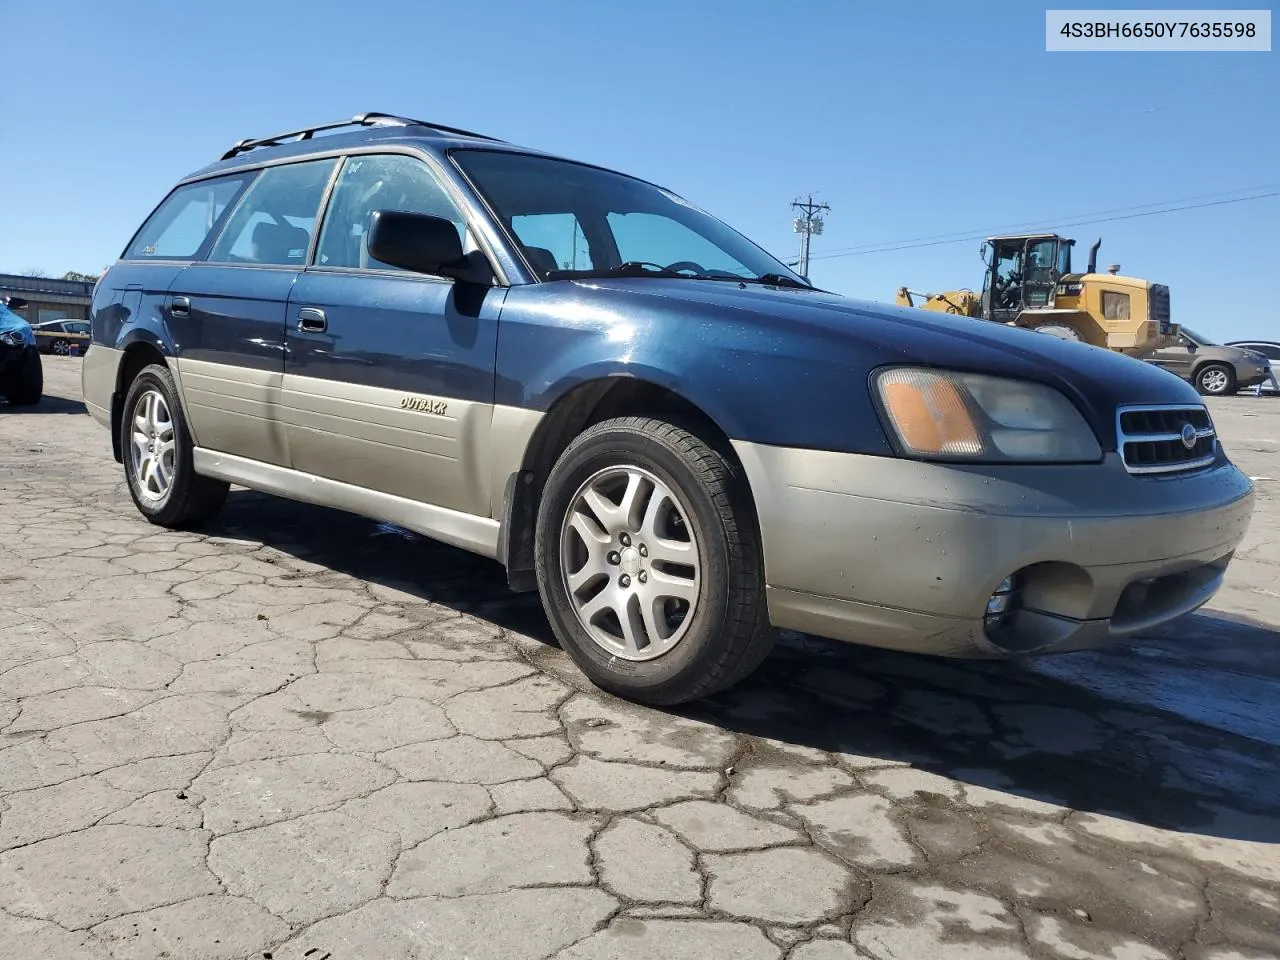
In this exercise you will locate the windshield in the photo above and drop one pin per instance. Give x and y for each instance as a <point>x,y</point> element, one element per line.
<point>572,220</point>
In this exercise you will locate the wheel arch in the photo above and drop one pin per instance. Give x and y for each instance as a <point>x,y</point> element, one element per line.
<point>580,407</point>
<point>136,355</point>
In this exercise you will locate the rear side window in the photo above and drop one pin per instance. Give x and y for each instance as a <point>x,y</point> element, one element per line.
<point>274,222</point>
<point>179,227</point>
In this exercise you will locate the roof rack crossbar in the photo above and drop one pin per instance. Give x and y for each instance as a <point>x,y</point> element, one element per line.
<point>359,120</point>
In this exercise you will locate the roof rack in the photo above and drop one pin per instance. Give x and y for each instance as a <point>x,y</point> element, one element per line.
<point>359,120</point>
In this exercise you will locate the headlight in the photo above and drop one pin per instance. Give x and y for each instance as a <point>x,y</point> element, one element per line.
<point>13,338</point>
<point>941,415</point>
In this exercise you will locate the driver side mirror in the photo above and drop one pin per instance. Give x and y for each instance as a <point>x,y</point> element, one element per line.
<point>424,244</point>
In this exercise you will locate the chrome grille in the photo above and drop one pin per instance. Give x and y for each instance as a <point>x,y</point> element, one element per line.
<point>1151,439</point>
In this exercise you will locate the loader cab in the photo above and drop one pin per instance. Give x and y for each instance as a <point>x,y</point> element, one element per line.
<point>1022,273</point>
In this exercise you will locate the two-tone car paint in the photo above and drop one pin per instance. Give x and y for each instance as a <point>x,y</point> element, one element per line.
<point>433,404</point>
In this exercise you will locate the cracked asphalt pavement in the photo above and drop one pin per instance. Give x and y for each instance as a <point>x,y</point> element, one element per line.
<point>302,735</point>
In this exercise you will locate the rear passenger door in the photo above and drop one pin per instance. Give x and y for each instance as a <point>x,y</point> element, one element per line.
<point>227,314</point>
<point>389,375</point>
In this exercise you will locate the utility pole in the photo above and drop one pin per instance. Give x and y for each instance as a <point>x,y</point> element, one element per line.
<point>807,226</point>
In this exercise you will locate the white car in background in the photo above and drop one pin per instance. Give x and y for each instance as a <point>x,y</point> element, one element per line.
<point>1269,349</point>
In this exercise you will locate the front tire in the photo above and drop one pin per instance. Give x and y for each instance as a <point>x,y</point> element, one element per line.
<point>1060,330</point>
<point>28,383</point>
<point>1216,380</point>
<point>157,451</point>
<point>649,563</point>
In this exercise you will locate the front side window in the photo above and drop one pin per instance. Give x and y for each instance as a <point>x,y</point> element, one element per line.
<point>571,220</point>
<point>274,222</point>
<point>180,225</point>
<point>378,182</point>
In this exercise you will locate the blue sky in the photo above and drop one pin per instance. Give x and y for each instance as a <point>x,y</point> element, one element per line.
<point>909,119</point>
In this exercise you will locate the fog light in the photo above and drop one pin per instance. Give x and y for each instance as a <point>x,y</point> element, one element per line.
<point>1000,601</point>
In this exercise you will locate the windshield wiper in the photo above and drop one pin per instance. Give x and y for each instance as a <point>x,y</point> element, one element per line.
<point>781,280</point>
<point>632,268</point>
<point>643,268</point>
<point>765,279</point>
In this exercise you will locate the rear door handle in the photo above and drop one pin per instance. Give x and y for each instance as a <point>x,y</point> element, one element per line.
<point>181,307</point>
<point>312,320</point>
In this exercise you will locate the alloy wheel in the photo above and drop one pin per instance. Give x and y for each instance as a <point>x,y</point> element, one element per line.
<point>630,563</point>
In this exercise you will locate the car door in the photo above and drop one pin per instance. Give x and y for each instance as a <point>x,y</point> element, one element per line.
<point>47,334</point>
<point>226,314</point>
<point>389,375</point>
<point>1177,357</point>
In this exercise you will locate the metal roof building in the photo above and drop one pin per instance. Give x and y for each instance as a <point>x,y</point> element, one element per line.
<point>47,298</point>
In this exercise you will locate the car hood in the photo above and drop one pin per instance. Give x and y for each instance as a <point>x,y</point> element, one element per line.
<point>873,334</point>
<point>10,322</point>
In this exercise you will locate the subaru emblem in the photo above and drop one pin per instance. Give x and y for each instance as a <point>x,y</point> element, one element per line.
<point>1188,436</point>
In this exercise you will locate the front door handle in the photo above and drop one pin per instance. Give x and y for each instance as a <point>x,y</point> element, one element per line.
<point>312,320</point>
<point>181,307</point>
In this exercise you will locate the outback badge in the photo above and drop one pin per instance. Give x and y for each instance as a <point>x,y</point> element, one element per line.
<point>423,405</point>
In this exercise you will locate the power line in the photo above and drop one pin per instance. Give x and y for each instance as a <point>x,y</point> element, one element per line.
<point>1028,224</point>
<point>944,239</point>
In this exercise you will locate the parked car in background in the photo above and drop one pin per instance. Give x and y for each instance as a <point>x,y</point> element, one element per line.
<point>58,336</point>
<point>675,439</point>
<point>1212,368</point>
<point>21,373</point>
<point>1269,349</point>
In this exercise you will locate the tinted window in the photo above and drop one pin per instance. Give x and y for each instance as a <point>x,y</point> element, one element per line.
<point>181,224</point>
<point>77,327</point>
<point>1269,350</point>
<point>379,182</point>
<point>274,221</point>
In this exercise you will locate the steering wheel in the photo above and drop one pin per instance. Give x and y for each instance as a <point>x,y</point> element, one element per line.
<point>685,265</point>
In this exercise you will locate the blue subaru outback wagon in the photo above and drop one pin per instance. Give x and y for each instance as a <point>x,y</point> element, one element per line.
<point>679,442</point>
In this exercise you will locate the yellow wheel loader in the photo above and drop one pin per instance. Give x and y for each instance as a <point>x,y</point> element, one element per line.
<point>1028,282</point>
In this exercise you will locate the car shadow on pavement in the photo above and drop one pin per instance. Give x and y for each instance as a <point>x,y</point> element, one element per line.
<point>48,404</point>
<point>1179,730</point>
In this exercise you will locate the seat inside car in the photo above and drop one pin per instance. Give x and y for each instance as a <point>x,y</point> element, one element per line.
<point>543,260</point>
<point>280,243</point>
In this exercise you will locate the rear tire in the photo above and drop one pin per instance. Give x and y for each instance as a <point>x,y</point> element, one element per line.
<point>1216,380</point>
<point>28,383</point>
<point>157,452</point>
<point>684,567</point>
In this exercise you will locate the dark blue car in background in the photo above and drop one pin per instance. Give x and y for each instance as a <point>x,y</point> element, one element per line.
<point>679,442</point>
<point>21,372</point>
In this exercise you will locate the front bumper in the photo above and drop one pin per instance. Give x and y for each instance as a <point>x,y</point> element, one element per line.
<point>905,555</point>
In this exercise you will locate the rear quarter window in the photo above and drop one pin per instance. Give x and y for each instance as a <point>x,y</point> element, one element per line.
<point>185,219</point>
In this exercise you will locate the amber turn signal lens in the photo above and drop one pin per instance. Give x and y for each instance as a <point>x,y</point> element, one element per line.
<point>929,413</point>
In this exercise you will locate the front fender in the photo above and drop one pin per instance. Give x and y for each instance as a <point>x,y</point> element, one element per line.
<point>760,382</point>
